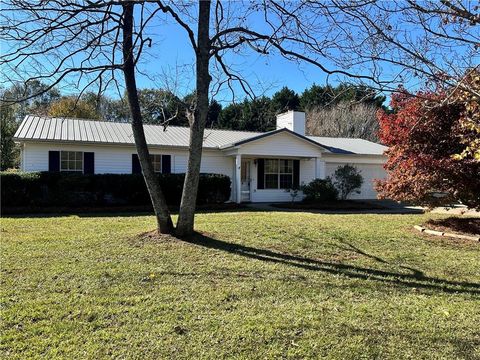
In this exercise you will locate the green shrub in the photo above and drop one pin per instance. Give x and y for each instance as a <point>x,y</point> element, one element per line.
<point>320,190</point>
<point>347,179</point>
<point>73,190</point>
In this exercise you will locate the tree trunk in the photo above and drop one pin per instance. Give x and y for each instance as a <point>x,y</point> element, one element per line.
<point>164,220</point>
<point>186,215</point>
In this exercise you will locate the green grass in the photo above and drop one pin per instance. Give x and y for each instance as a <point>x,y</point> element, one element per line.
<point>261,285</point>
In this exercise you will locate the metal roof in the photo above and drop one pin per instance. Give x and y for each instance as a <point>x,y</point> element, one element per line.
<point>35,128</point>
<point>349,145</point>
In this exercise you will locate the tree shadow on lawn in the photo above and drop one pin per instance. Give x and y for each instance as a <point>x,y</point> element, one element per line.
<point>416,279</point>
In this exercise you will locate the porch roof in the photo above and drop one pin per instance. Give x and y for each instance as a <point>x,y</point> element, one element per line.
<point>270,133</point>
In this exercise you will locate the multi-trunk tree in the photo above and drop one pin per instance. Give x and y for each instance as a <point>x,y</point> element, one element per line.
<point>92,43</point>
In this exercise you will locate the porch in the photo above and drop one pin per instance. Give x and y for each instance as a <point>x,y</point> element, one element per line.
<point>263,178</point>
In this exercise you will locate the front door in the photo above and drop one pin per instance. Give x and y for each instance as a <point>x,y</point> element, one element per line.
<point>245,180</point>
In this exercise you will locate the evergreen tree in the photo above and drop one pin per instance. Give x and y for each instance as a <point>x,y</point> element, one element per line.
<point>285,100</point>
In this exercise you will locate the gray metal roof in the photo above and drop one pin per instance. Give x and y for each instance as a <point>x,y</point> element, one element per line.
<point>35,128</point>
<point>349,145</point>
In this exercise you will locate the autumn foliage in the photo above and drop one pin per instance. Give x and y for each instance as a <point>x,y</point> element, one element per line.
<point>430,158</point>
<point>74,108</point>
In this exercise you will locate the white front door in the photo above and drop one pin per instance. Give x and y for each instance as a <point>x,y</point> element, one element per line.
<point>245,180</point>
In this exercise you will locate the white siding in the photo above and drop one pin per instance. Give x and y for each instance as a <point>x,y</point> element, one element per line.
<point>118,159</point>
<point>370,172</point>
<point>307,170</point>
<point>281,145</point>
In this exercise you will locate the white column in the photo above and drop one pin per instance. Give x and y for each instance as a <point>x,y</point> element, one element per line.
<point>22,157</point>
<point>320,169</point>
<point>238,180</point>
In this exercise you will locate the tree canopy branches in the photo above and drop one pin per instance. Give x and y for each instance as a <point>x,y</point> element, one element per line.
<point>380,44</point>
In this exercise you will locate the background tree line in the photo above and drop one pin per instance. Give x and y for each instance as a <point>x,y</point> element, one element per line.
<point>344,110</point>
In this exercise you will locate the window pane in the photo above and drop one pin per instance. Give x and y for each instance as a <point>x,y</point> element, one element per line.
<point>271,181</point>
<point>71,160</point>
<point>156,162</point>
<point>286,166</point>
<point>286,181</point>
<point>271,166</point>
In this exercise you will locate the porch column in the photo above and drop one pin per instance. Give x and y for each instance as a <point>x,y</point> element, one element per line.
<point>238,179</point>
<point>320,169</point>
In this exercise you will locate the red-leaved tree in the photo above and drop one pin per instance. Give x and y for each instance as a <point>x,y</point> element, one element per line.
<point>425,135</point>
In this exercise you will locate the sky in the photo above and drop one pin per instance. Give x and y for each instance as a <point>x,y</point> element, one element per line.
<point>266,74</point>
<point>169,64</point>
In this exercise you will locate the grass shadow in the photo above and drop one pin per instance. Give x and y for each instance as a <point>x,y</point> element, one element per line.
<point>130,211</point>
<point>413,279</point>
<point>288,207</point>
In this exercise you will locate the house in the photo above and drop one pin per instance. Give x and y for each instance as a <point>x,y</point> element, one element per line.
<point>260,165</point>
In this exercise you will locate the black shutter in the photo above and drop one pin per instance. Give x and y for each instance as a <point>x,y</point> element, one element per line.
<point>88,163</point>
<point>166,164</point>
<point>260,174</point>
<point>136,168</point>
<point>54,161</point>
<point>296,173</point>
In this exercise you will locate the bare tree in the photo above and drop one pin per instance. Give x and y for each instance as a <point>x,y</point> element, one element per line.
<point>419,43</point>
<point>165,224</point>
<point>357,120</point>
<point>93,41</point>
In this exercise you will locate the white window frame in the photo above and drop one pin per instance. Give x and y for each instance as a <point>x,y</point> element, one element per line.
<point>278,173</point>
<point>69,152</point>
<point>156,162</point>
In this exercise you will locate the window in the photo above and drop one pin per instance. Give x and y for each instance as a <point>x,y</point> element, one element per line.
<point>71,161</point>
<point>286,174</point>
<point>278,174</point>
<point>271,174</point>
<point>157,163</point>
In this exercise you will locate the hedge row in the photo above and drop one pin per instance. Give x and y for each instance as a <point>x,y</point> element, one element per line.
<point>74,190</point>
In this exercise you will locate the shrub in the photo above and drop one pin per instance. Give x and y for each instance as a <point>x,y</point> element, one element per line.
<point>320,190</point>
<point>73,190</point>
<point>347,179</point>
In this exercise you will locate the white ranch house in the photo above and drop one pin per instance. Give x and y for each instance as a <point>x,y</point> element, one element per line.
<point>260,165</point>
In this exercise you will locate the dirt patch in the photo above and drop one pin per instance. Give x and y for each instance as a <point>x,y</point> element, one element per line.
<point>456,225</point>
<point>154,236</point>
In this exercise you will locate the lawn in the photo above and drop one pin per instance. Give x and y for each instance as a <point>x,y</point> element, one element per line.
<point>257,285</point>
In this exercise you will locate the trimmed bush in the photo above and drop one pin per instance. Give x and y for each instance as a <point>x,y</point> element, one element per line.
<point>74,190</point>
<point>347,179</point>
<point>320,190</point>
